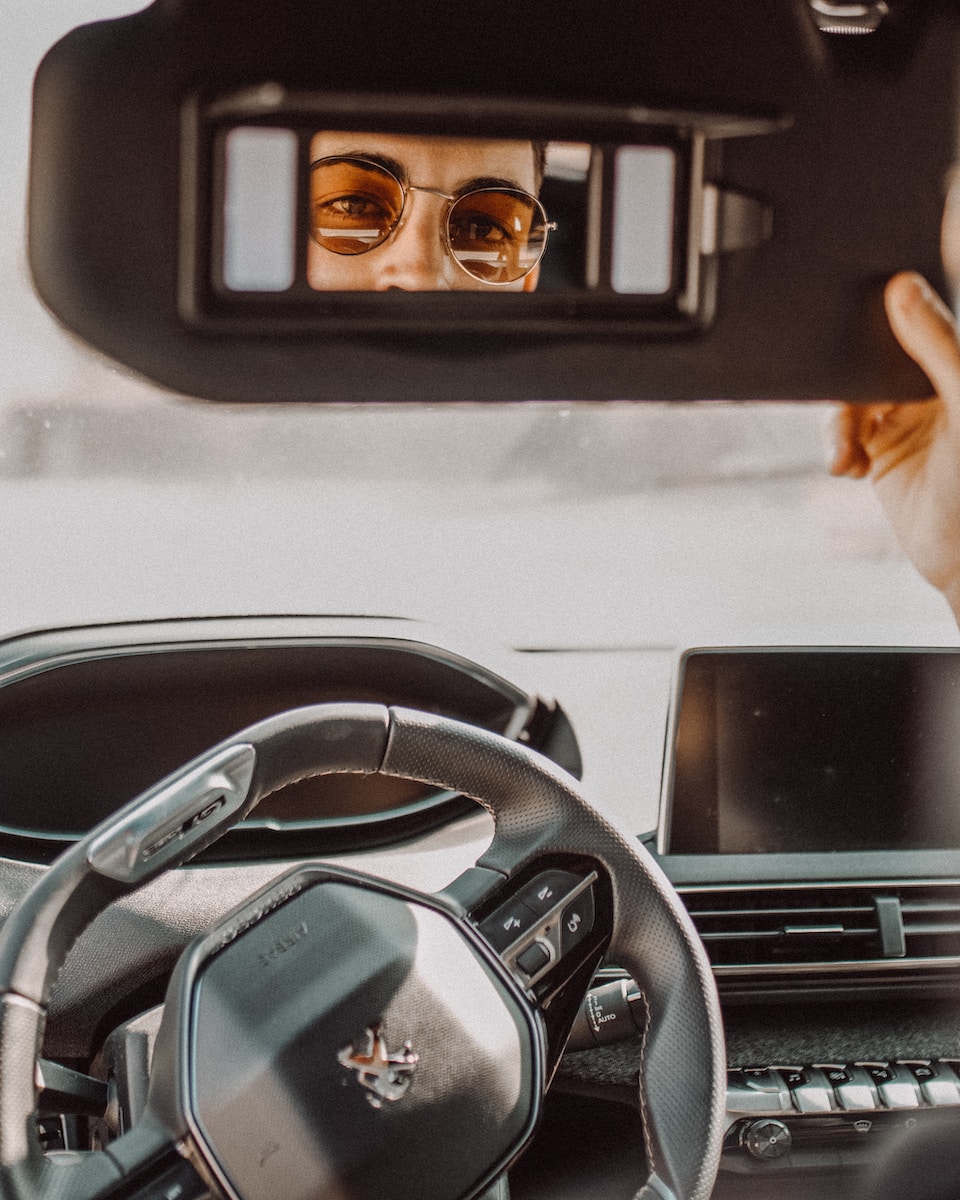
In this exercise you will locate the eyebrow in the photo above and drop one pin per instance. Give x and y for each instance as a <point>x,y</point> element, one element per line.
<point>490,181</point>
<point>378,160</point>
<point>399,170</point>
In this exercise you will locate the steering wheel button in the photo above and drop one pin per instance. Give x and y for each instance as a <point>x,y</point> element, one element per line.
<point>510,921</point>
<point>548,889</point>
<point>533,960</point>
<point>577,920</point>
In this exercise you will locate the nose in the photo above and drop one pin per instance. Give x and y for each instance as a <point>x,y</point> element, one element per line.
<point>415,257</point>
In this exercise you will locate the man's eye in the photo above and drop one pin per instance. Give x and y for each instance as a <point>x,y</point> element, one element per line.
<point>356,206</point>
<point>478,228</point>
<point>351,209</point>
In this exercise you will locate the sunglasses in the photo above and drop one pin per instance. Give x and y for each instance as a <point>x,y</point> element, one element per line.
<point>495,234</point>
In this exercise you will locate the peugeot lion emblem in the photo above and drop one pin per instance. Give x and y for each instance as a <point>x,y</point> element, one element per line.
<point>384,1076</point>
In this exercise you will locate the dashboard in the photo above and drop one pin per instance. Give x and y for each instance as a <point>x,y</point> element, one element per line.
<point>804,816</point>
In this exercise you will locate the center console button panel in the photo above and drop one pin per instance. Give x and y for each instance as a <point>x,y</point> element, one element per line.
<point>843,1087</point>
<point>824,1116</point>
<point>832,1116</point>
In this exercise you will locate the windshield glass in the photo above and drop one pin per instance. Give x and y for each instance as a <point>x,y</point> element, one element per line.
<point>539,525</point>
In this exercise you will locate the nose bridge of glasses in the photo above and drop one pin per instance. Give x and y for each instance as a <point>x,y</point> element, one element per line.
<point>418,222</point>
<point>416,249</point>
<point>432,191</point>
<point>419,232</point>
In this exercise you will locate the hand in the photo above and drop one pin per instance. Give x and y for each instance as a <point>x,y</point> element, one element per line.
<point>912,451</point>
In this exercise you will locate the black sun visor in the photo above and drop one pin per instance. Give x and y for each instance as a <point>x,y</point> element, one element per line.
<point>339,201</point>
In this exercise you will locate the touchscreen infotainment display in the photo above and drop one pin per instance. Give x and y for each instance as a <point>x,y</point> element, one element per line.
<point>793,751</point>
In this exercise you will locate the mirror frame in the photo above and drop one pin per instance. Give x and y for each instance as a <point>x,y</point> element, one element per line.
<point>207,302</point>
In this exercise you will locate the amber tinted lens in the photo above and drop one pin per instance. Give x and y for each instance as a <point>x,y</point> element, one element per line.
<point>354,205</point>
<point>497,234</point>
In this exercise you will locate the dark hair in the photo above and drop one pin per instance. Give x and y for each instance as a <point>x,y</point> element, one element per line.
<point>539,161</point>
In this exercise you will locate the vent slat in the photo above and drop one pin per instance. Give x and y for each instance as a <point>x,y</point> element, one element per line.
<point>738,936</point>
<point>749,929</point>
<point>931,929</point>
<point>728,913</point>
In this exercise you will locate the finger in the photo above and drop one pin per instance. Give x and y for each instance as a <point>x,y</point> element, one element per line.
<point>926,330</point>
<point>848,457</point>
<point>855,429</point>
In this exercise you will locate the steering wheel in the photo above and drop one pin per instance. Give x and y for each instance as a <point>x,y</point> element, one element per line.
<point>338,1037</point>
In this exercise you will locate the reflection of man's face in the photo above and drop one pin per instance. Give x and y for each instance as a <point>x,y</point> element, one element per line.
<point>418,255</point>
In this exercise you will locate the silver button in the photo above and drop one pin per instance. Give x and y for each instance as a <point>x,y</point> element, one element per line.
<point>757,1092</point>
<point>856,1092</point>
<point>814,1094</point>
<point>895,1084</point>
<point>938,1084</point>
<point>899,1094</point>
<point>857,1097</point>
<point>941,1092</point>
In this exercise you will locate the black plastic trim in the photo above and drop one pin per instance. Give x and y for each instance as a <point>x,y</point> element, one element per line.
<point>421,667</point>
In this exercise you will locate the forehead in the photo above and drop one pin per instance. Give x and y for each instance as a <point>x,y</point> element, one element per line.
<point>440,162</point>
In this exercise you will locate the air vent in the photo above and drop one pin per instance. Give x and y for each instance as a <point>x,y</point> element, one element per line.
<point>771,929</point>
<point>931,921</point>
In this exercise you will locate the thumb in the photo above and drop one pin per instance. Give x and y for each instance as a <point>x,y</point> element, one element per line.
<point>925,328</point>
